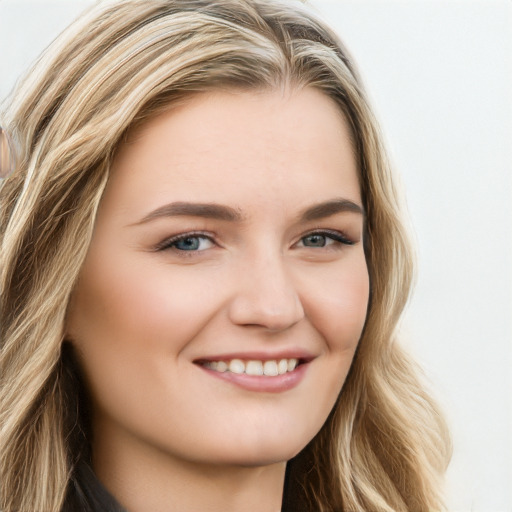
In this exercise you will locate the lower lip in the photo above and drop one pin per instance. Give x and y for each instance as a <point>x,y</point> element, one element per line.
<point>262,384</point>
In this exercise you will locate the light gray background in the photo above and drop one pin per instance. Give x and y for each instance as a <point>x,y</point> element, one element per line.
<point>440,76</point>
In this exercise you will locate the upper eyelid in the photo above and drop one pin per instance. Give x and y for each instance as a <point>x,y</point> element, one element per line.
<point>334,234</point>
<point>328,232</point>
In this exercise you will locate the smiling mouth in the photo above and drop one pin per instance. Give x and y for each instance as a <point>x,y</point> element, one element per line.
<point>269,368</point>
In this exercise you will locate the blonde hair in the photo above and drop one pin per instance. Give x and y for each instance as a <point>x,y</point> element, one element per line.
<point>385,445</point>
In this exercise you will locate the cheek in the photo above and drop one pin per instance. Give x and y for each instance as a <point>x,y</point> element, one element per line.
<point>338,308</point>
<point>336,302</point>
<point>132,307</point>
<point>129,322</point>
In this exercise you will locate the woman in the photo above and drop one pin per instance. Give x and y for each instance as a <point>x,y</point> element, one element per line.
<point>203,266</point>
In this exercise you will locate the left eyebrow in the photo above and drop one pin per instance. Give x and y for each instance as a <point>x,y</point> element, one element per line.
<point>329,208</point>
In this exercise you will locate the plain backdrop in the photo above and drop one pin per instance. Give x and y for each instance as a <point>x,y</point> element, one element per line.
<point>439,74</point>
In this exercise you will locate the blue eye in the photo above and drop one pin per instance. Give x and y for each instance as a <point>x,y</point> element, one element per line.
<point>188,243</point>
<point>324,239</point>
<point>315,240</point>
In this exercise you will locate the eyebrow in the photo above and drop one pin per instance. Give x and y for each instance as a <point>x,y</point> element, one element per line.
<point>227,213</point>
<point>204,210</point>
<point>329,208</point>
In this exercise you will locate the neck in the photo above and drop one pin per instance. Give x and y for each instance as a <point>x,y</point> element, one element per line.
<point>156,481</point>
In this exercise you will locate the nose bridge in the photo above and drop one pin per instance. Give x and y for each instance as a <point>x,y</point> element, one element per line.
<point>266,293</point>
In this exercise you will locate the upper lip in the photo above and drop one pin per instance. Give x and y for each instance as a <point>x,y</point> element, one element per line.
<point>260,355</point>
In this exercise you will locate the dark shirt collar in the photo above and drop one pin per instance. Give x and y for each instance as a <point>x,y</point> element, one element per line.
<point>87,494</point>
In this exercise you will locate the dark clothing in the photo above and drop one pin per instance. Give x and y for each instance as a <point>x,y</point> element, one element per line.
<point>87,494</point>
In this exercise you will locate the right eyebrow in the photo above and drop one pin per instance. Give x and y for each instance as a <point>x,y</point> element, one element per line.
<point>185,209</point>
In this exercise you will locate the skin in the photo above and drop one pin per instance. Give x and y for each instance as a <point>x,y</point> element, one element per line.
<point>169,435</point>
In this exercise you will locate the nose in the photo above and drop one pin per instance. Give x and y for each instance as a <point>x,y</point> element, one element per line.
<point>265,296</point>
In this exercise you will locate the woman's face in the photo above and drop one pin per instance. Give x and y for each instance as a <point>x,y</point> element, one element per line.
<point>230,235</point>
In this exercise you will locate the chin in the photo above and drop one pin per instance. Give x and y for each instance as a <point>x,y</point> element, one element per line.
<point>263,452</point>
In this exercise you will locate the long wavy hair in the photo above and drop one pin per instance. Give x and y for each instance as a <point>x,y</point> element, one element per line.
<point>385,445</point>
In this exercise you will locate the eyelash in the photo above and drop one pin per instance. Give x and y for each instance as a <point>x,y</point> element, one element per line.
<point>337,236</point>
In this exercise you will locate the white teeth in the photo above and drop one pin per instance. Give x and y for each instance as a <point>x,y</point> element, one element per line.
<point>222,366</point>
<point>236,366</point>
<point>292,363</point>
<point>270,368</point>
<point>254,368</point>
<point>282,366</point>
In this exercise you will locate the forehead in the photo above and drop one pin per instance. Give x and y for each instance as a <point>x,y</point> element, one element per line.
<point>222,144</point>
